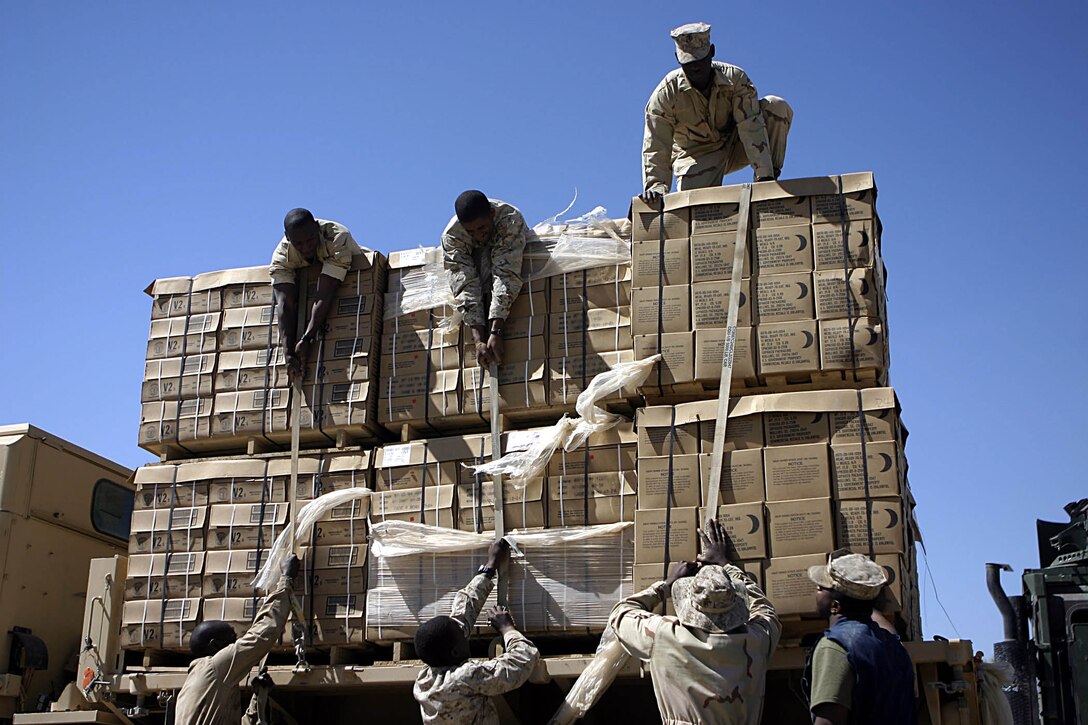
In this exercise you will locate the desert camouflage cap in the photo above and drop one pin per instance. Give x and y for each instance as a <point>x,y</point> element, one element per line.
<point>692,42</point>
<point>855,575</point>
<point>710,600</point>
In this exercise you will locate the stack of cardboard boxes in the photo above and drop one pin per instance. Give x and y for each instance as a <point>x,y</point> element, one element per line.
<point>202,530</point>
<point>215,377</point>
<point>793,321</point>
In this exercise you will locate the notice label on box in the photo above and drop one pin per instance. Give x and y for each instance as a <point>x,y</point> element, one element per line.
<point>399,455</point>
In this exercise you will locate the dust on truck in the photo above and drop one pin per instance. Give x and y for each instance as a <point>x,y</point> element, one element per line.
<point>60,507</point>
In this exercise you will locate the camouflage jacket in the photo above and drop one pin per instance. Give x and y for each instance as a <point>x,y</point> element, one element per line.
<point>334,251</point>
<point>682,125</point>
<point>486,277</point>
<point>701,677</point>
<point>211,694</point>
<point>462,695</point>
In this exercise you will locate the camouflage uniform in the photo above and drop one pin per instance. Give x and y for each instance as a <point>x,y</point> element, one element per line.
<point>699,676</point>
<point>211,694</point>
<point>702,140</point>
<point>488,271</point>
<point>462,694</point>
<point>334,251</point>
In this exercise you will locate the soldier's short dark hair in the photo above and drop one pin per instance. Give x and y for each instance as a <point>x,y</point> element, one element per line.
<point>209,637</point>
<point>298,218</point>
<point>471,205</point>
<point>436,639</point>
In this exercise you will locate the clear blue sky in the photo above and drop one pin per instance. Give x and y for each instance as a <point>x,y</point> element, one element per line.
<point>145,140</point>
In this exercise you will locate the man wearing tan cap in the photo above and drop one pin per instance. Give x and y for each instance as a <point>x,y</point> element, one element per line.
<point>709,662</point>
<point>704,120</point>
<point>859,672</point>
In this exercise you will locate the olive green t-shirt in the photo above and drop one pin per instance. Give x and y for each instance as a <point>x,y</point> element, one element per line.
<point>832,675</point>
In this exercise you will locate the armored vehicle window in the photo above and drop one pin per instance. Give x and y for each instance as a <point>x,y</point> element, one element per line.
<point>111,509</point>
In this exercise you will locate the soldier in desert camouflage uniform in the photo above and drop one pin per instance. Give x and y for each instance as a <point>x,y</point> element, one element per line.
<point>483,245</point>
<point>704,120</point>
<point>453,688</point>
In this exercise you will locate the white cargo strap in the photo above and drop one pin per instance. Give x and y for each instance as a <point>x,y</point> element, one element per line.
<point>710,503</point>
<point>496,454</point>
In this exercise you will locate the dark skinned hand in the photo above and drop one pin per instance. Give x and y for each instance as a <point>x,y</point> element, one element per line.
<point>715,544</point>
<point>681,569</point>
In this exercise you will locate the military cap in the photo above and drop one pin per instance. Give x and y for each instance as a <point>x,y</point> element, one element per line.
<point>710,600</point>
<point>855,575</point>
<point>692,42</point>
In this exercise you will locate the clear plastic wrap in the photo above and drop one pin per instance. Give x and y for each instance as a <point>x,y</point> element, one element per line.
<point>308,515</point>
<point>994,706</point>
<point>609,659</point>
<point>558,579</point>
<point>570,433</point>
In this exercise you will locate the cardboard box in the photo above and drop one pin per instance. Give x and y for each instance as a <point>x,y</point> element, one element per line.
<point>156,488</point>
<point>177,378</point>
<point>335,472</point>
<point>343,524</point>
<point>600,510</point>
<point>784,298</point>
<point>787,347</point>
<point>175,421</point>
<point>249,328</point>
<point>434,462</point>
<point>870,345</point>
<point>651,266</point>
<point>172,297</point>
<point>231,573</point>
<point>677,364</point>
<point>692,425</point>
<point>797,472</point>
<point>651,526</point>
<point>655,475</point>
<point>784,211</point>
<point>175,576</point>
<point>180,529</point>
<point>883,467</point>
<point>800,527</point>
<point>603,484</point>
<point>420,362</point>
<point>334,568</point>
<point>183,336</point>
<point>712,210</point>
<point>881,424</point>
<point>710,305</point>
<point>433,506</point>
<point>783,250</point>
<point>522,385</point>
<point>858,197</point>
<point>712,257</point>
<point>230,481</point>
<point>675,303</point>
<point>743,522</point>
<point>522,507</point>
<point>710,347</point>
<point>245,526</point>
<point>419,339</point>
<point>862,248</point>
<point>754,570</point>
<point>898,574</point>
<point>741,479</point>
<point>238,612</point>
<point>251,370</point>
<point>247,287</point>
<point>518,350</point>
<point>571,375</point>
<point>788,586</point>
<point>886,523</point>
<point>608,274</point>
<point>646,221</point>
<point>567,299</point>
<point>251,412</point>
<point>159,623</point>
<point>602,459</point>
<point>796,428</point>
<point>573,322</point>
<point>419,397</point>
<point>866,293</point>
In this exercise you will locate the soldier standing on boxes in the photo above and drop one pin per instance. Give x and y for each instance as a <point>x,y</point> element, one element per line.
<point>709,662</point>
<point>210,695</point>
<point>859,671</point>
<point>307,240</point>
<point>453,688</point>
<point>482,247</point>
<point>704,120</point>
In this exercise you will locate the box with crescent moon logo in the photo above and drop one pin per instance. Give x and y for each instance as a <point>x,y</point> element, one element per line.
<point>884,469</point>
<point>784,348</point>
<point>782,250</point>
<point>743,523</point>
<point>885,522</point>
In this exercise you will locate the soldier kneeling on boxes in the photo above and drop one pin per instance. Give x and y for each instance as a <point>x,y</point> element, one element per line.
<point>453,688</point>
<point>210,695</point>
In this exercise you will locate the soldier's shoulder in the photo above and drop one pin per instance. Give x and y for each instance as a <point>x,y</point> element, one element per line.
<point>506,212</point>
<point>731,73</point>
<point>669,85</point>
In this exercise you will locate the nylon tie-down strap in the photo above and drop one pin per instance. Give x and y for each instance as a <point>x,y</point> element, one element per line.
<point>717,458</point>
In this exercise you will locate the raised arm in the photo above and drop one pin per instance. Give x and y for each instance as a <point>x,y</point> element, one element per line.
<point>468,602</point>
<point>513,667</point>
<point>633,619</point>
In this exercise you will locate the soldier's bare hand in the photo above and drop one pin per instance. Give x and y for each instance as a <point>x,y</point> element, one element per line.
<point>498,553</point>
<point>651,197</point>
<point>495,348</point>
<point>681,569</point>
<point>501,619</point>
<point>290,566</point>
<point>294,368</point>
<point>483,356</point>
<point>715,544</point>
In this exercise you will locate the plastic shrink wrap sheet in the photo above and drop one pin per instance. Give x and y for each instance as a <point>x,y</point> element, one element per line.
<point>560,580</point>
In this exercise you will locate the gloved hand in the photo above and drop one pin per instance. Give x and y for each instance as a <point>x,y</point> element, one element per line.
<point>290,566</point>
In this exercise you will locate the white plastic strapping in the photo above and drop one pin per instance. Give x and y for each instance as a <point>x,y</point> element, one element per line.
<point>608,660</point>
<point>392,538</point>
<point>570,433</point>
<point>308,515</point>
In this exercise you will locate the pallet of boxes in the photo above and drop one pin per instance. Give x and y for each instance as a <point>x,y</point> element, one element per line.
<point>812,457</point>
<point>216,402</point>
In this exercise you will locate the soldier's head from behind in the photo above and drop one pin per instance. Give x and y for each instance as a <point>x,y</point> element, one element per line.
<point>440,642</point>
<point>848,585</point>
<point>695,53</point>
<point>710,601</point>
<point>474,212</point>
<point>302,230</point>
<point>211,636</point>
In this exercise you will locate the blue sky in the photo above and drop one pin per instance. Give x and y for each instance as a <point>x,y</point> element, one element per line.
<point>145,140</point>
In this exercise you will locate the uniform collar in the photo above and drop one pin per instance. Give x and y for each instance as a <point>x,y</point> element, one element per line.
<point>720,78</point>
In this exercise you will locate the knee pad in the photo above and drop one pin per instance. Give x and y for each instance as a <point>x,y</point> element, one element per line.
<point>778,107</point>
